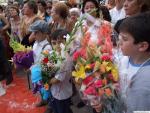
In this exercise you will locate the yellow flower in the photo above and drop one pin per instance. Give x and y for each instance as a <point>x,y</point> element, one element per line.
<point>114,72</point>
<point>108,68</point>
<point>87,67</point>
<point>79,74</point>
<point>105,63</point>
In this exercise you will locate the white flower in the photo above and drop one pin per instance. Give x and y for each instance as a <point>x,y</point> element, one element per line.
<point>67,37</point>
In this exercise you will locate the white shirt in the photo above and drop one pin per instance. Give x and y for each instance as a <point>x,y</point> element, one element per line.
<point>117,14</point>
<point>38,48</point>
<point>126,70</point>
<point>63,89</point>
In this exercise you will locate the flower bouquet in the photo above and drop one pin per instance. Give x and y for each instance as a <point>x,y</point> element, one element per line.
<point>50,64</point>
<point>96,73</point>
<point>23,57</point>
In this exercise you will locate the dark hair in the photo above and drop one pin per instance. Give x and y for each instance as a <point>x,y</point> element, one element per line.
<point>43,3</point>
<point>58,34</point>
<point>145,5</point>
<point>138,26</point>
<point>1,8</point>
<point>106,14</point>
<point>62,10</point>
<point>32,5</point>
<point>96,5</point>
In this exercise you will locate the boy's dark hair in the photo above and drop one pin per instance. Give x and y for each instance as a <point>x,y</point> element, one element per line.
<point>96,5</point>
<point>138,26</point>
<point>58,34</point>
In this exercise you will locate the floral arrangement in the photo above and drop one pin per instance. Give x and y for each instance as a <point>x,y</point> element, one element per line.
<point>95,71</point>
<point>50,64</point>
<point>23,57</point>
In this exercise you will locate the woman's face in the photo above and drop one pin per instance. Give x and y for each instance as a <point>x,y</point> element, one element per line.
<point>90,6</point>
<point>49,7</point>
<point>131,7</point>
<point>13,12</point>
<point>40,7</point>
<point>26,9</point>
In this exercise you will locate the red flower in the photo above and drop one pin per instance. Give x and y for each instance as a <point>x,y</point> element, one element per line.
<point>45,60</point>
<point>106,58</point>
<point>76,55</point>
<point>87,80</point>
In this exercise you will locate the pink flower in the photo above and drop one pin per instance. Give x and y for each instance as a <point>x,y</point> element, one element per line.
<point>92,65</point>
<point>79,53</point>
<point>98,83</point>
<point>110,77</point>
<point>90,91</point>
<point>83,53</point>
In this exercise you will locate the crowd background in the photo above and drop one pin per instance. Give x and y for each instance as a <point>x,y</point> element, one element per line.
<point>26,23</point>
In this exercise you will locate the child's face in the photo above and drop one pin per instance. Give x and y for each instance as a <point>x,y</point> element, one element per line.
<point>56,44</point>
<point>37,35</point>
<point>126,42</point>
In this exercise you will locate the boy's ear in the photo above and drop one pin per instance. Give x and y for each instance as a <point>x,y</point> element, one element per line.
<point>143,46</point>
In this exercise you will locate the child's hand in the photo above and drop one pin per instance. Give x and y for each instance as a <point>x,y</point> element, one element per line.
<point>50,65</point>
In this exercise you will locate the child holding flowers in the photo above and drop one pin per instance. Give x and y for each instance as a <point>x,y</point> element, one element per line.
<point>135,65</point>
<point>40,30</point>
<point>61,87</point>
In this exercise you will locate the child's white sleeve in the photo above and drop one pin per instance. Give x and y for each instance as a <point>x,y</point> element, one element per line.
<point>48,47</point>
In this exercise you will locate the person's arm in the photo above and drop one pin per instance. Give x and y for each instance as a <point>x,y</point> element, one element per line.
<point>138,100</point>
<point>7,25</point>
<point>54,81</point>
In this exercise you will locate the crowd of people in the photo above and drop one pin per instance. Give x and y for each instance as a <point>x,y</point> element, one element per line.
<point>42,24</point>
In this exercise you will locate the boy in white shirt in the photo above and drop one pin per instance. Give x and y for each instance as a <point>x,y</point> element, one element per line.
<point>40,30</point>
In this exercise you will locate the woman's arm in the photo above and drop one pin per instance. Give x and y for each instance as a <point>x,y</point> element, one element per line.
<point>7,25</point>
